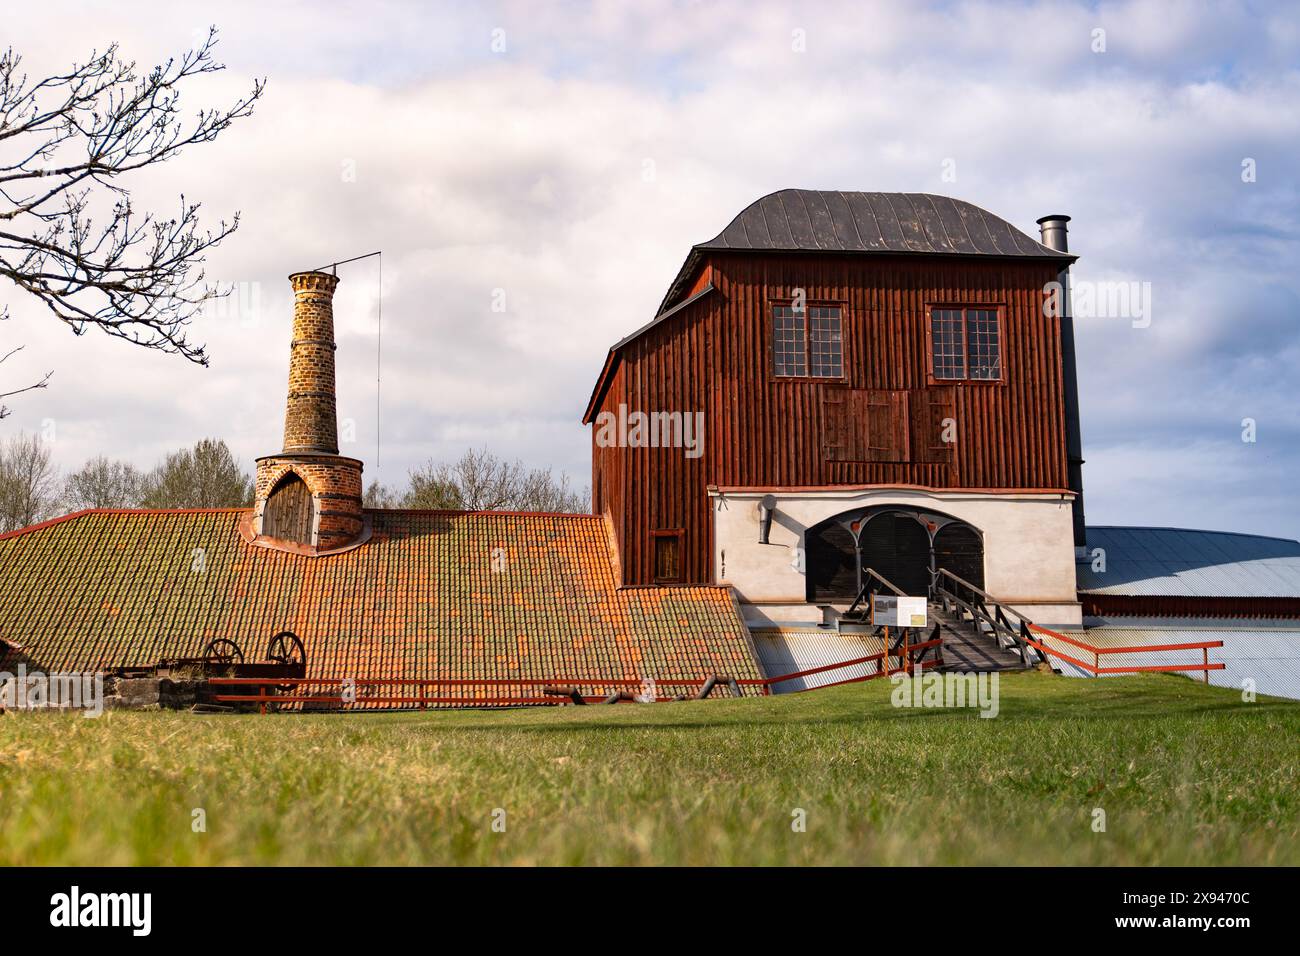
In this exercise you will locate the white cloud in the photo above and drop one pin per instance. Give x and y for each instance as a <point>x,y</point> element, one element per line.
<point>523,171</point>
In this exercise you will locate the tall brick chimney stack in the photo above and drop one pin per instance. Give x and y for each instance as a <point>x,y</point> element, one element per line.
<point>308,497</point>
<point>310,422</point>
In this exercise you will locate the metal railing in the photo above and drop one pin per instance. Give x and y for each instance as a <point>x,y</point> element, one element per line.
<point>988,615</point>
<point>339,693</point>
<point>986,611</point>
<point>1097,653</point>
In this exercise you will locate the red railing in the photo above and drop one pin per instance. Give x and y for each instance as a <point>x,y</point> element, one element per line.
<point>555,690</point>
<point>1098,652</point>
<point>988,612</point>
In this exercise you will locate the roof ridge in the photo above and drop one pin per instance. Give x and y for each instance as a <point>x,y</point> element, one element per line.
<point>1154,527</point>
<point>84,512</point>
<point>463,511</point>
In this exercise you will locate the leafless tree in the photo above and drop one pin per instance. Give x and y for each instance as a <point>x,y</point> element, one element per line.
<point>381,496</point>
<point>102,483</point>
<point>480,481</point>
<point>69,235</point>
<point>28,482</point>
<point>205,476</point>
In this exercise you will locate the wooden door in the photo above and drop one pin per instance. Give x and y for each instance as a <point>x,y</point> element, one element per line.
<point>288,512</point>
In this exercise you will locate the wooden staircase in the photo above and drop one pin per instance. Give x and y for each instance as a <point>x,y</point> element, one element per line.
<point>967,646</point>
<point>979,633</point>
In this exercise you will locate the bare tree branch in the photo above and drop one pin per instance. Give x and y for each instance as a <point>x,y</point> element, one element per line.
<point>65,143</point>
<point>44,381</point>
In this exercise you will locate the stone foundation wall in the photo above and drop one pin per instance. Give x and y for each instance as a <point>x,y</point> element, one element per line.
<point>150,693</point>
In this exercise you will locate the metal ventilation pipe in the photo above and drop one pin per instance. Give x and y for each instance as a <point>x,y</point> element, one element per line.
<point>766,508</point>
<point>1054,236</point>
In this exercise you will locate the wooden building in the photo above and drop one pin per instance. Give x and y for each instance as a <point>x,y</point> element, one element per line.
<point>848,380</point>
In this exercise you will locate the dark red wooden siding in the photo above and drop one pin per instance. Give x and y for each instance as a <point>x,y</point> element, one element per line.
<point>765,432</point>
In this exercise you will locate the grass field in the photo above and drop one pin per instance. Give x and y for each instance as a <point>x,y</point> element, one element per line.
<point>1186,774</point>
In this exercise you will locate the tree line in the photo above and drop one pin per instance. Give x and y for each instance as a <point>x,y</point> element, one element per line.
<point>481,481</point>
<point>208,476</point>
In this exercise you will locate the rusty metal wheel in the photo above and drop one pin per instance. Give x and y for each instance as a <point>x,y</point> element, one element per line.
<point>286,648</point>
<point>223,652</point>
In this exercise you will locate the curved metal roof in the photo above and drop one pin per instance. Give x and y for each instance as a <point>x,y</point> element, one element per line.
<point>831,221</point>
<point>816,220</point>
<point>1185,562</point>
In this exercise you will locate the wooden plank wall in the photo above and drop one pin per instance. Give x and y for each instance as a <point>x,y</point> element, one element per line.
<point>761,431</point>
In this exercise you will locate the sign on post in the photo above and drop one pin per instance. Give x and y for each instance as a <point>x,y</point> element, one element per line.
<point>890,610</point>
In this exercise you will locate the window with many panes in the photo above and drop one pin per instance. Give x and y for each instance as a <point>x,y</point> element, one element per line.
<point>807,342</point>
<point>965,344</point>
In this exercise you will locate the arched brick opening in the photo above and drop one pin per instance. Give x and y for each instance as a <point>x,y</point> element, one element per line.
<point>290,511</point>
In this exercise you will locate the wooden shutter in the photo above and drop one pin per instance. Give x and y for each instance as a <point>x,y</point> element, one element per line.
<point>835,426</point>
<point>885,416</point>
<point>865,425</point>
<point>930,408</point>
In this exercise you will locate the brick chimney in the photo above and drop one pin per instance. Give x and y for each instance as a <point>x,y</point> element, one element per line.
<point>310,423</point>
<point>308,497</point>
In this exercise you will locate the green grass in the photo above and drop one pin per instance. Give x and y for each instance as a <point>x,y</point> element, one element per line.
<point>1185,773</point>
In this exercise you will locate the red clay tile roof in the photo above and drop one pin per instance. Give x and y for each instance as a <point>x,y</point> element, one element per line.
<point>110,589</point>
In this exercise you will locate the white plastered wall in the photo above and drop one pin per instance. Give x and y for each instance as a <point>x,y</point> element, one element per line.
<point>1028,545</point>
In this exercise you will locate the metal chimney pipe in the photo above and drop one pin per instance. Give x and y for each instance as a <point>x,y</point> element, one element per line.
<point>1054,232</point>
<point>1054,236</point>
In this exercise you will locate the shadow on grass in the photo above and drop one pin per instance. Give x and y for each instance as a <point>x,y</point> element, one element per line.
<point>1023,698</point>
<point>1011,713</point>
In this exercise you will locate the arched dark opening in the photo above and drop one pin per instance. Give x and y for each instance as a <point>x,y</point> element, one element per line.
<point>832,558</point>
<point>288,511</point>
<point>898,546</point>
<point>959,549</point>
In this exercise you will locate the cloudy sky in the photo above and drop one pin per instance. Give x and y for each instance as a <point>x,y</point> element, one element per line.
<point>570,154</point>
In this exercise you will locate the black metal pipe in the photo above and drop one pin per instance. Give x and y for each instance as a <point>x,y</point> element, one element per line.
<point>1053,231</point>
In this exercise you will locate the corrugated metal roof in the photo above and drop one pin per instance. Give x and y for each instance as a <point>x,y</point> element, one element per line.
<point>1184,562</point>
<point>1266,652</point>
<point>830,221</point>
<point>786,650</point>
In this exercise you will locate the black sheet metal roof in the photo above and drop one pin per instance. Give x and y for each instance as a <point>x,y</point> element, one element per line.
<point>808,220</point>
<point>816,220</point>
